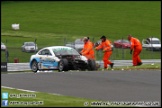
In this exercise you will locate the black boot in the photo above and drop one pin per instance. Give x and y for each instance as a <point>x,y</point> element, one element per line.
<point>139,64</point>
<point>111,65</point>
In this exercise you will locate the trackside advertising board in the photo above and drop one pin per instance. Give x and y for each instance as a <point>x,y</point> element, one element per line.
<point>3,66</point>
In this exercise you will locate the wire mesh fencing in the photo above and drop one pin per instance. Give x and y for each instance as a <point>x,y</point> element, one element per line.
<point>14,51</point>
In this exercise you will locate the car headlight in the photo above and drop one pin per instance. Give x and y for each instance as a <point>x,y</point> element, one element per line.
<point>77,58</point>
<point>84,58</point>
<point>26,48</point>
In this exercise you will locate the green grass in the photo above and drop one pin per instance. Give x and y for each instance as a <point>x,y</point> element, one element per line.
<point>85,18</point>
<point>153,66</point>
<point>54,23</point>
<point>49,100</point>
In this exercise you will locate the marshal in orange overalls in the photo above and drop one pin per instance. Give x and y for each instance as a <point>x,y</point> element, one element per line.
<point>137,48</point>
<point>87,50</point>
<point>106,47</point>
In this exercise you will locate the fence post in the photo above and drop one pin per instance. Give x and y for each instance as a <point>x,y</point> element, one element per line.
<point>35,43</point>
<point>7,55</point>
<point>151,48</point>
<point>65,41</point>
<point>122,50</point>
<point>6,52</point>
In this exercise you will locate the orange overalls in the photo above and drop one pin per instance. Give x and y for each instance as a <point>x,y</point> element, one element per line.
<point>106,46</point>
<point>137,47</point>
<point>88,51</point>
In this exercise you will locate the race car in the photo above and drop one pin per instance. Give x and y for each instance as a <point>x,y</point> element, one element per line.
<point>60,58</point>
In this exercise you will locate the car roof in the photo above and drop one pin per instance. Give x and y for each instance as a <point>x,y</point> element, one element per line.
<point>28,42</point>
<point>122,39</point>
<point>153,38</point>
<point>79,40</point>
<point>51,47</point>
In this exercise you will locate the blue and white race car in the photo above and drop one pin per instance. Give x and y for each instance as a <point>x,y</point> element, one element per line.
<point>60,58</point>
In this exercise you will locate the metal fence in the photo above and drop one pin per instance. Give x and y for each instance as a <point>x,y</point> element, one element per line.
<point>15,54</point>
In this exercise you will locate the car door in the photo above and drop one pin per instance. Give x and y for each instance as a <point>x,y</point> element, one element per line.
<point>118,43</point>
<point>47,59</point>
<point>145,43</point>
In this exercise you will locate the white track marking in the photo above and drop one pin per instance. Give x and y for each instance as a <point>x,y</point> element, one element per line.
<point>18,89</point>
<point>29,90</point>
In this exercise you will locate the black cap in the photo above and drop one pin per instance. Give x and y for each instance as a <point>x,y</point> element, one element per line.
<point>103,37</point>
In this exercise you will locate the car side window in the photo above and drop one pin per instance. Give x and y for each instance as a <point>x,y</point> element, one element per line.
<point>147,41</point>
<point>45,52</point>
<point>40,53</point>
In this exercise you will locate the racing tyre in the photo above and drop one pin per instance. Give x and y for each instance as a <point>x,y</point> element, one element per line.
<point>63,65</point>
<point>34,66</point>
<point>92,65</point>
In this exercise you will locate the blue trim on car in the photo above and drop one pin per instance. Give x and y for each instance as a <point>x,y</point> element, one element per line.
<point>37,59</point>
<point>53,65</point>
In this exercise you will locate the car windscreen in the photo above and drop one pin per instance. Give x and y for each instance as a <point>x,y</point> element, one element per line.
<point>78,41</point>
<point>155,42</point>
<point>65,51</point>
<point>123,41</point>
<point>30,44</point>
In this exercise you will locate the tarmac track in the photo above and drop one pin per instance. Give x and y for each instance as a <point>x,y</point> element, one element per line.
<point>136,85</point>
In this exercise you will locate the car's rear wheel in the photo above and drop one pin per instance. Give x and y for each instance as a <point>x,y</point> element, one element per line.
<point>92,65</point>
<point>63,65</point>
<point>34,66</point>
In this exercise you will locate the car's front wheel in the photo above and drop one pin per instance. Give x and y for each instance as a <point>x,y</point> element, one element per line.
<point>63,65</point>
<point>92,65</point>
<point>34,66</point>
